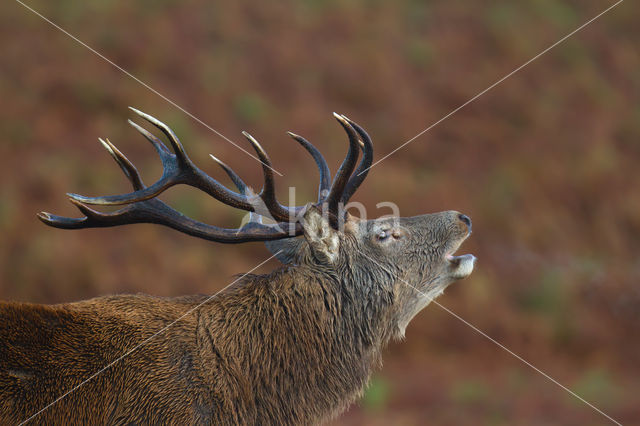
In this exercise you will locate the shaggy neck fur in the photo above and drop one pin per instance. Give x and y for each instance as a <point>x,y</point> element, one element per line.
<point>295,346</point>
<point>307,344</point>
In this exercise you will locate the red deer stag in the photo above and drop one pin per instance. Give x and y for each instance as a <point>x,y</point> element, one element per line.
<point>294,346</point>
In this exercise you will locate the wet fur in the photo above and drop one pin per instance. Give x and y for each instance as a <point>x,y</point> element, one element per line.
<point>295,346</point>
<point>280,348</point>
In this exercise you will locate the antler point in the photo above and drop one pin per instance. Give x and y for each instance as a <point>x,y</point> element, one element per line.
<point>142,114</point>
<point>75,198</point>
<point>75,201</point>
<point>106,144</point>
<point>342,119</point>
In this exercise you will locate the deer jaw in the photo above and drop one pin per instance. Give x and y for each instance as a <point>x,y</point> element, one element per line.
<point>410,260</point>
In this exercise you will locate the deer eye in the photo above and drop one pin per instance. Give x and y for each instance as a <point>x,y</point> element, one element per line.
<point>383,235</point>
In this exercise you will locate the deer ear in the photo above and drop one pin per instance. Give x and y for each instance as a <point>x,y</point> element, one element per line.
<point>322,238</point>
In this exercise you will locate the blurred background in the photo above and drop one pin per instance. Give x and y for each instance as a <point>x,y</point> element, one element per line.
<point>546,164</point>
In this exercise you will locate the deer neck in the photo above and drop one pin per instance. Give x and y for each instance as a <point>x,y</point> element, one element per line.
<point>307,344</point>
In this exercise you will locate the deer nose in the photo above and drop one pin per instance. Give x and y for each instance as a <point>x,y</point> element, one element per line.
<point>466,219</point>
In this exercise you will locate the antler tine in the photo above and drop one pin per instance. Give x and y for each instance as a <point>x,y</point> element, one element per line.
<point>175,142</point>
<point>140,195</point>
<point>160,147</point>
<point>92,219</point>
<point>169,166</point>
<point>323,168</point>
<point>156,211</point>
<point>127,166</point>
<point>268,193</point>
<point>365,163</point>
<point>62,222</point>
<point>345,170</point>
<point>239,183</point>
<point>177,169</point>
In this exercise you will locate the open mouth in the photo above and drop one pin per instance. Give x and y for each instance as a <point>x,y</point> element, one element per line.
<point>461,265</point>
<point>457,260</point>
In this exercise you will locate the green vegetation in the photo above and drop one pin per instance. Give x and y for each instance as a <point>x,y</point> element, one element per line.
<point>469,392</point>
<point>377,394</point>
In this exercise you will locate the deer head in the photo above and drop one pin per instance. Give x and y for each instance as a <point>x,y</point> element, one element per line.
<point>396,265</point>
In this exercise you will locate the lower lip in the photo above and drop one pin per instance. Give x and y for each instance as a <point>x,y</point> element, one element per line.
<point>457,259</point>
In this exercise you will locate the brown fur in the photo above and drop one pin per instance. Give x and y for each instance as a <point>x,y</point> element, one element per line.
<point>255,343</point>
<point>295,346</point>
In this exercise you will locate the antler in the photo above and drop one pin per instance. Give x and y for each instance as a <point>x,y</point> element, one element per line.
<point>143,207</point>
<point>155,211</point>
<point>365,163</point>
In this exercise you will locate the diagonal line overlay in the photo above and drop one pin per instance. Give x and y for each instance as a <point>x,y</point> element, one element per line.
<point>145,341</point>
<point>145,85</point>
<point>500,345</point>
<point>374,164</point>
<point>492,86</point>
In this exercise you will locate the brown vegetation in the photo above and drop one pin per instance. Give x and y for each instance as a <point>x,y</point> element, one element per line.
<point>545,164</point>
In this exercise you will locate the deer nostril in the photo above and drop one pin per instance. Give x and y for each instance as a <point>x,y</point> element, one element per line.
<point>466,219</point>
